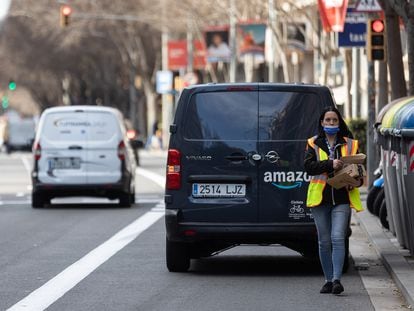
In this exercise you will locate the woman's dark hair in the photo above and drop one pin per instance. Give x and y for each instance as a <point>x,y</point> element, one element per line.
<point>343,128</point>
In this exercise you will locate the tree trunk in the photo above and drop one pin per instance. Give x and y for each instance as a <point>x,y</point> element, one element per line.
<point>394,55</point>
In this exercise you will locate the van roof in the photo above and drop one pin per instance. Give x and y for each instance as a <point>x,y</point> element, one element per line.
<point>88,108</point>
<point>258,85</point>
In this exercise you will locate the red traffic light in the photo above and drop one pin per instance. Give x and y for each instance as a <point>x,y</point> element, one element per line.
<point>377,25</point>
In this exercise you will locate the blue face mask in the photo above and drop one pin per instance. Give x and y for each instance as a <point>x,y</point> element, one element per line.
<point>331,130</point>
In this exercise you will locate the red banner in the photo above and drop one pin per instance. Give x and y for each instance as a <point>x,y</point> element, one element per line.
<point>199,54</point>
<point>177,54</point>
<point>332,13</point>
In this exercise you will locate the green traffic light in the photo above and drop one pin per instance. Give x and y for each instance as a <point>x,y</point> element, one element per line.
<point>12,85</point>
<point>5,102</point>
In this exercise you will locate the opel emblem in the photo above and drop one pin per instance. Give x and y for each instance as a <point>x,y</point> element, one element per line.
<point>272,157</point>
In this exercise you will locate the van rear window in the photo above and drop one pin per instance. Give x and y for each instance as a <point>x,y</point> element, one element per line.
<point>264,115</point>
<point>222,116</point>
<point>289,115</point>
<point>79,126</point>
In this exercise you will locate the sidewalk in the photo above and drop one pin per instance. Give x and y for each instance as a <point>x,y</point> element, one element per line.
<point>398,262</point>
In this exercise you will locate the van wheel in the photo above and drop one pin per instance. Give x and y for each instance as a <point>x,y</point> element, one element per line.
<point>125,200</point>
<point>132,198</point>
<point>38,201</point>
<point>178,256</point>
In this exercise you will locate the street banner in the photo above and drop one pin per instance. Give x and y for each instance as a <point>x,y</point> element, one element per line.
<point>199,55</point>
<point>332,13</point>
<point>251,40</point>
<point>177,54</point>
<point>355,30</point>
<point>217,42</point>
<point>164,82</point>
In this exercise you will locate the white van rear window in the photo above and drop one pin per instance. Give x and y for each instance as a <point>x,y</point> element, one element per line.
<point>80,126</point>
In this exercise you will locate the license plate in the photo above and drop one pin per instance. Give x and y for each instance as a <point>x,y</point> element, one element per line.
<point>65,163</point>
<point>219,190</point>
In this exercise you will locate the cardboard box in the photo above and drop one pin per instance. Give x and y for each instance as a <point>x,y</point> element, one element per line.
<point>354,159</point>
<point>347,176</point>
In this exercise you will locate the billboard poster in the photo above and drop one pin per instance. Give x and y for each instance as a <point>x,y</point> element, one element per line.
<point>177,54</point>
<point>199,54</point>
<point>217,41</point>
<point>251,39</point>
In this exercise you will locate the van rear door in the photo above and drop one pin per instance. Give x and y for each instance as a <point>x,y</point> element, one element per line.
<point>101,151</point>
<point>286,119</point>
<point>62,142</point>
<point>219,136</point>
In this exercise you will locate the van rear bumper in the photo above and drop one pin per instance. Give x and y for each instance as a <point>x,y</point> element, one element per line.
<point>237,233</point>
<point>98,190</point>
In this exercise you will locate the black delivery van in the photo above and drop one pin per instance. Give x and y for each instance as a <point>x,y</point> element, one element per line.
<point>235,170</point>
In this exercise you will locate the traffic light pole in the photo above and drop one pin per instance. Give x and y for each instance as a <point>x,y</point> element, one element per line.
<point>371,148</point>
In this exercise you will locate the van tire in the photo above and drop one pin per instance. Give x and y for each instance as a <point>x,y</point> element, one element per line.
<point>125,199</point>
<point>38,200</point>
<point>177,256</point>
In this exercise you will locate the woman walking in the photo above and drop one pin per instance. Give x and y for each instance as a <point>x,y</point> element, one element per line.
<point>330,207</point>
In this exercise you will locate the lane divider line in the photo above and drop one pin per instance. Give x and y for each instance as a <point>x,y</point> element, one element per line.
<point>44,296</point>
<point>158,179</point>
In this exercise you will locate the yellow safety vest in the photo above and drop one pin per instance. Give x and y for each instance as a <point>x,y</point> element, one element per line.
<point>318,182</point>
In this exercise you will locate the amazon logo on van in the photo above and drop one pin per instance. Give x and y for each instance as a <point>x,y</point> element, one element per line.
<point>286,180</point>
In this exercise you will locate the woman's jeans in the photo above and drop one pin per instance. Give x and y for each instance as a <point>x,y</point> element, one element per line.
<point>332,223</point>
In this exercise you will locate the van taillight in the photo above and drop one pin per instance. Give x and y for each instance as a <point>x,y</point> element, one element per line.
<point>121,150</point>
<point>37,151</point>
<point>173,180</point>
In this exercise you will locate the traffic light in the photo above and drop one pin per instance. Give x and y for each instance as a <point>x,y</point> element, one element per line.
<point>5,101</point>
<point>65,12</point>
<point>376,46</point>
<point>12,85</point>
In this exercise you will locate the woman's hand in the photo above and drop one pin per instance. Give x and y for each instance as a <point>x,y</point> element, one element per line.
<point>337,164</point>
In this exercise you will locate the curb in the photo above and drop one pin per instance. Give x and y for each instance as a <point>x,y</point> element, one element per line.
<point>394,262</point>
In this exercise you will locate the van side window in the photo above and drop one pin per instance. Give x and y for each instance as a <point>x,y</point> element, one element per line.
<point>288,115</point>
<point>222,116</point>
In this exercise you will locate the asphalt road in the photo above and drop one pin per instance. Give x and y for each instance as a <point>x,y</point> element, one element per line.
<point>83,254</point>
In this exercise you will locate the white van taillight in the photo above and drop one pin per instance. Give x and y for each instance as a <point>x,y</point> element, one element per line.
<point>173,180</point>
<point>121,150</point>
<point>37,151</point>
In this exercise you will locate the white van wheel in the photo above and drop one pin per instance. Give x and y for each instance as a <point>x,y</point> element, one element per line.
<point>38,200</point>
<point>125,200</point>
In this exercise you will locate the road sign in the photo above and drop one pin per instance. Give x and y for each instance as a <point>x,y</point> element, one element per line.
<point>355,30</point>
<point>164,81</point>
<point>368,6</point>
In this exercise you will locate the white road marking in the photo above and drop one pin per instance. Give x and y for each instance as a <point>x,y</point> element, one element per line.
<point>27,165</point>
<point>44,296</point>
<point>158,179</point>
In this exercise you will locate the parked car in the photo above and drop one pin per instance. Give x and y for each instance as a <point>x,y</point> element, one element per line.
<point>235,170</point>
<point>82,151</point>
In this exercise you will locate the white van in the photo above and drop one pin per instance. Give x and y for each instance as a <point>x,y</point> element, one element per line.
<point>82,151</point>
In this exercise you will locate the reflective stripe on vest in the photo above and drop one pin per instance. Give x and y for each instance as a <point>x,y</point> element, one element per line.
<point>318,182</point>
